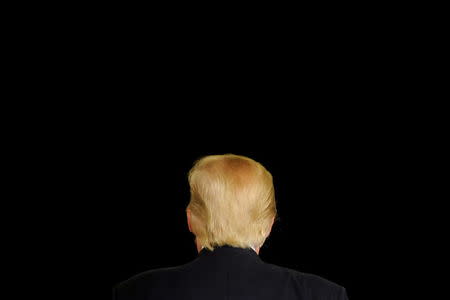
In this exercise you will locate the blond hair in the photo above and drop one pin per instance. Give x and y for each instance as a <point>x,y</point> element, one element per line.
<point>232,201</point>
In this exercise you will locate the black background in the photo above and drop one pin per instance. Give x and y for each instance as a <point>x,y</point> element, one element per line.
<point>114,187</point>
<point>319,101</point>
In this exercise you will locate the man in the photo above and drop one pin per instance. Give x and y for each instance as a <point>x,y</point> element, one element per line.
<point>231,212</point>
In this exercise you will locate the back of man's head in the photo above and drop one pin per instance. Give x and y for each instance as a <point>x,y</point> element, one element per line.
<point>232,201</point>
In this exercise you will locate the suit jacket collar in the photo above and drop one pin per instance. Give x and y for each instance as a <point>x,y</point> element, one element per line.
<point>229,253</point>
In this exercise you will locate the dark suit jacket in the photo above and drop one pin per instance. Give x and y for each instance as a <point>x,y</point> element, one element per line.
<point>227,273</point>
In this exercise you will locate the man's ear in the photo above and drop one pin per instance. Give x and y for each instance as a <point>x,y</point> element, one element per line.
<point>270,230</point>
<point>188,214</point>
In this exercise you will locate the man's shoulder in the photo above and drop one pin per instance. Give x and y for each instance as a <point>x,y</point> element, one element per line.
<point>151,282</point>
<point>154,275</point>
<point>311,283</point>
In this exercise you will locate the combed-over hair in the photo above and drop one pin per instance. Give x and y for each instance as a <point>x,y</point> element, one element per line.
<point>232,201</point>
